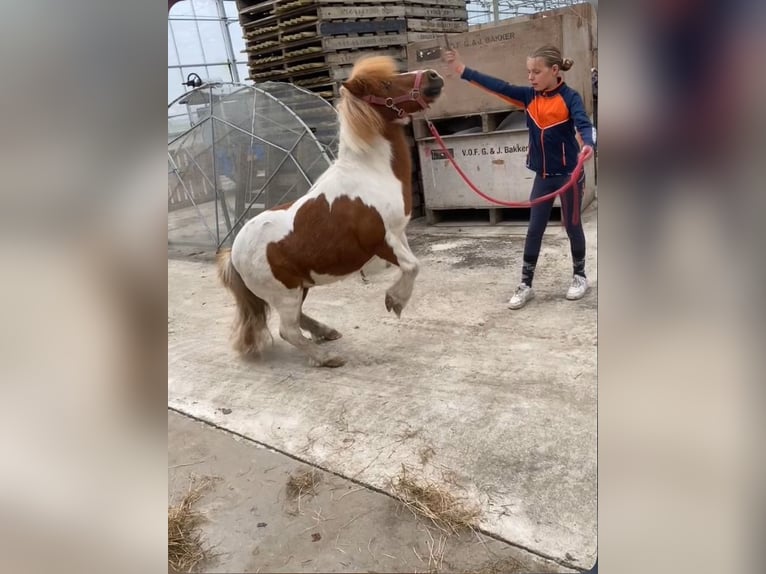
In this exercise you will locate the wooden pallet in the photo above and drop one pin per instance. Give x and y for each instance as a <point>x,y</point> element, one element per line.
<point>252,8</point>
<point>304,29</point>
<point>411,11</point>
<point>342,62</point>
<point>425,25</point>
<point>440,3</point>
<point>335,10</point>
<point>360,12</point>
<point>262,11</point>
<point>420,36</point>
<point>359,27</point>
<point>333,50</point>
<point>312,40</point>
<point>449,19</point>
<point>351,56</point>
<point>356,2</point>
<point>315,42</point>
<point>329,45</point>
<point>340,73</point>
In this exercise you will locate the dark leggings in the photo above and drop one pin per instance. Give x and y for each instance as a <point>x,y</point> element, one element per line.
<point>538,221</point>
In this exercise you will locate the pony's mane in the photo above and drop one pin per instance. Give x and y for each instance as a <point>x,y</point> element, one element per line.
<point>374,67</point>
<point>361,119</point>
<point>362,122</point>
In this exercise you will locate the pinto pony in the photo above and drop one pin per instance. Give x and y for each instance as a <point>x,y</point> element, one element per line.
<point>356,211</point>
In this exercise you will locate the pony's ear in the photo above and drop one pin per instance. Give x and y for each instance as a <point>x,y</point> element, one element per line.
<point>355,86</point>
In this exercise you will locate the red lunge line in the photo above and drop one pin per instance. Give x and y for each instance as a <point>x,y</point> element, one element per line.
<point>572,181</point>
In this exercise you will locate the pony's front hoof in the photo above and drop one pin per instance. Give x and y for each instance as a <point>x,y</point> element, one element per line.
<point>333,362</point>
<point>394,306</point>
<point>332,335</point>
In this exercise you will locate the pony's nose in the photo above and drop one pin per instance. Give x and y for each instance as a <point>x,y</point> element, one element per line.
<point>435,80</point>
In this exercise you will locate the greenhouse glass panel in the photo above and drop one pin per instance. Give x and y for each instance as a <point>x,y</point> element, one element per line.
<point>184,8</point>
<point>231,9</point>
<point>205,8</point>
<point>219,73</point>
<point>212,42</point>
<point>172,52</point>
<point>187,41</point>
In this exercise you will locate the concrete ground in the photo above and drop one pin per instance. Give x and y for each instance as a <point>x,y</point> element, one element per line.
<point>253,525</point>
<point>498,406</point>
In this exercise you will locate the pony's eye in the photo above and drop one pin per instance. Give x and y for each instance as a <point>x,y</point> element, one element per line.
<point>387,84</point>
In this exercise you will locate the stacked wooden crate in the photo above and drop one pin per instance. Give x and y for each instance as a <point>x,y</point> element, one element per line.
<point>431,19</point>
<point>314,43</point>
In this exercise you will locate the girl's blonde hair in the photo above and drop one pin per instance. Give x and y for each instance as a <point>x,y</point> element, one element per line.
<point>551,55</point>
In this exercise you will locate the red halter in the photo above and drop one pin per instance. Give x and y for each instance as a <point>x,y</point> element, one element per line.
<point>413,96</point>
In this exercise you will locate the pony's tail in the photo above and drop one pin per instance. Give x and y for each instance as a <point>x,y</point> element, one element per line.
<point>250,325</point>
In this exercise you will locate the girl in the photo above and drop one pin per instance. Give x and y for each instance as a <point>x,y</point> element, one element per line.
<point>553,110</point>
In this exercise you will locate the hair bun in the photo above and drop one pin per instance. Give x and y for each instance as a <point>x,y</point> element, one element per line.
<point>567,63</point>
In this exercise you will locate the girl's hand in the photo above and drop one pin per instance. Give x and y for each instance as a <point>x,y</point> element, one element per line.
<point>586,152</point>
<point>453,61</point>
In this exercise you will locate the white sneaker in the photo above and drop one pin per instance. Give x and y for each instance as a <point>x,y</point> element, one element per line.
<point>523,294</point>
<point>578,288</point>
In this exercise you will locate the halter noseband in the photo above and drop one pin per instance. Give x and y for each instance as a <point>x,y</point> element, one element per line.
<point>413,96</point>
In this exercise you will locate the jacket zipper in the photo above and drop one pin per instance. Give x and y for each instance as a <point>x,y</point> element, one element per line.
<point>564,154</point>
<point>542,149</point>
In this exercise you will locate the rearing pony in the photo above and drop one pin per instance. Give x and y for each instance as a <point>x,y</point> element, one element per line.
<point>357,210</point>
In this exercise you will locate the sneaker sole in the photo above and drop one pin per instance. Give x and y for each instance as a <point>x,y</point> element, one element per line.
<point>514,308</point>
<point>576,298</point>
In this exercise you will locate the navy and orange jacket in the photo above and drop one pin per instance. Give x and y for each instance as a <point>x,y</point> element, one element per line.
<point>552,117</point>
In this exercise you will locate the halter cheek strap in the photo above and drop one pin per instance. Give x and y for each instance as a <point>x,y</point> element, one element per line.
<point>413,96</point>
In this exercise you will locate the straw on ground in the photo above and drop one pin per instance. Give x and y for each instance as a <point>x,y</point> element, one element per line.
<point>303,484</point>
<point>434,502</point>
<point>186,550</point>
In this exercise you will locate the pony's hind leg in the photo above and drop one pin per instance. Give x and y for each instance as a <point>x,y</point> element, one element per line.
<point>319,331</point>
<point>289,309</point>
